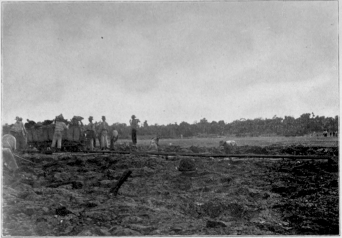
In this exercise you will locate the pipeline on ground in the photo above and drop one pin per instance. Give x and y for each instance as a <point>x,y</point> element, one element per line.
<point>252,156</point>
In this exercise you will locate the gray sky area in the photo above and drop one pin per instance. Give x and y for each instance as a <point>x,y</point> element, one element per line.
<point>169,62</point>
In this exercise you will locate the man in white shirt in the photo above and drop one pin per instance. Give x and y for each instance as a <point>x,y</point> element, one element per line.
<point>91,134</point>
<point>103,131</point>
<point>57,136</point>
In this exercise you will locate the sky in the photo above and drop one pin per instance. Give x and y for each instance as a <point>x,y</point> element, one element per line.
<point>168,62</point>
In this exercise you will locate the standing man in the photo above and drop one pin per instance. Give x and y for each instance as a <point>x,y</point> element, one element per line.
<point>91,134</point>
<point>57,136</point>
<point>103,131</point>
<point>134,125</point>
<point>19,132</point>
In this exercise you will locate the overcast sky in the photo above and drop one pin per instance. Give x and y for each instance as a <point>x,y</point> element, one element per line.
<point>169,62</point>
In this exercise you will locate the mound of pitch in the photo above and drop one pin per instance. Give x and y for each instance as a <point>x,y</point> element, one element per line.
<point>186,164</point>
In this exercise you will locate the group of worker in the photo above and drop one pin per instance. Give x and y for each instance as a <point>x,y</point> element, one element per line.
<point>102,131</point>
<point>92,131</point>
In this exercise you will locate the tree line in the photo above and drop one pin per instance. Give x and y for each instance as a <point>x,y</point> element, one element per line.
<point>307,123</point>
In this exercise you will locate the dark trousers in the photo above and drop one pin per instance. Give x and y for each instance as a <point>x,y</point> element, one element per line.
<point>134,136</point>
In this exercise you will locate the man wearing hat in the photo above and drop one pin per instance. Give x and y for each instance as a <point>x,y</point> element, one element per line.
<point>19,132</point>
<point>57,136</point>
<point>103,131</point>
<point>134,125</point>
<point>91,134</point>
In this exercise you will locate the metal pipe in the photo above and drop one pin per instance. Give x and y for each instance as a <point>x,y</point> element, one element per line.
<point>215,155</point>
<point>205,155</point>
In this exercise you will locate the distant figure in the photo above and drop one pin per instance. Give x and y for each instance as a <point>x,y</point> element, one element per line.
<point>58,134</point>
<point>19,132</point>
<point>134,125</point>
<point>154,143</point>
<point>325,133</point>
<point>181,136</point>
<point>229,146</point>
<point>103,131</point>
<point>228,143</point>
<point>113,138</point>
<point>90,134</point>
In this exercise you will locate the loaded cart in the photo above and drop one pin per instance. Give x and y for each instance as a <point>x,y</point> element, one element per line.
<point>40,137</point>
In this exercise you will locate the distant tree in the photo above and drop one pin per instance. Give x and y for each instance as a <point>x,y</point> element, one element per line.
<point>214,128</point>
<point>221,125</point>
<point>185,129</point>
<point>203,124</point>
